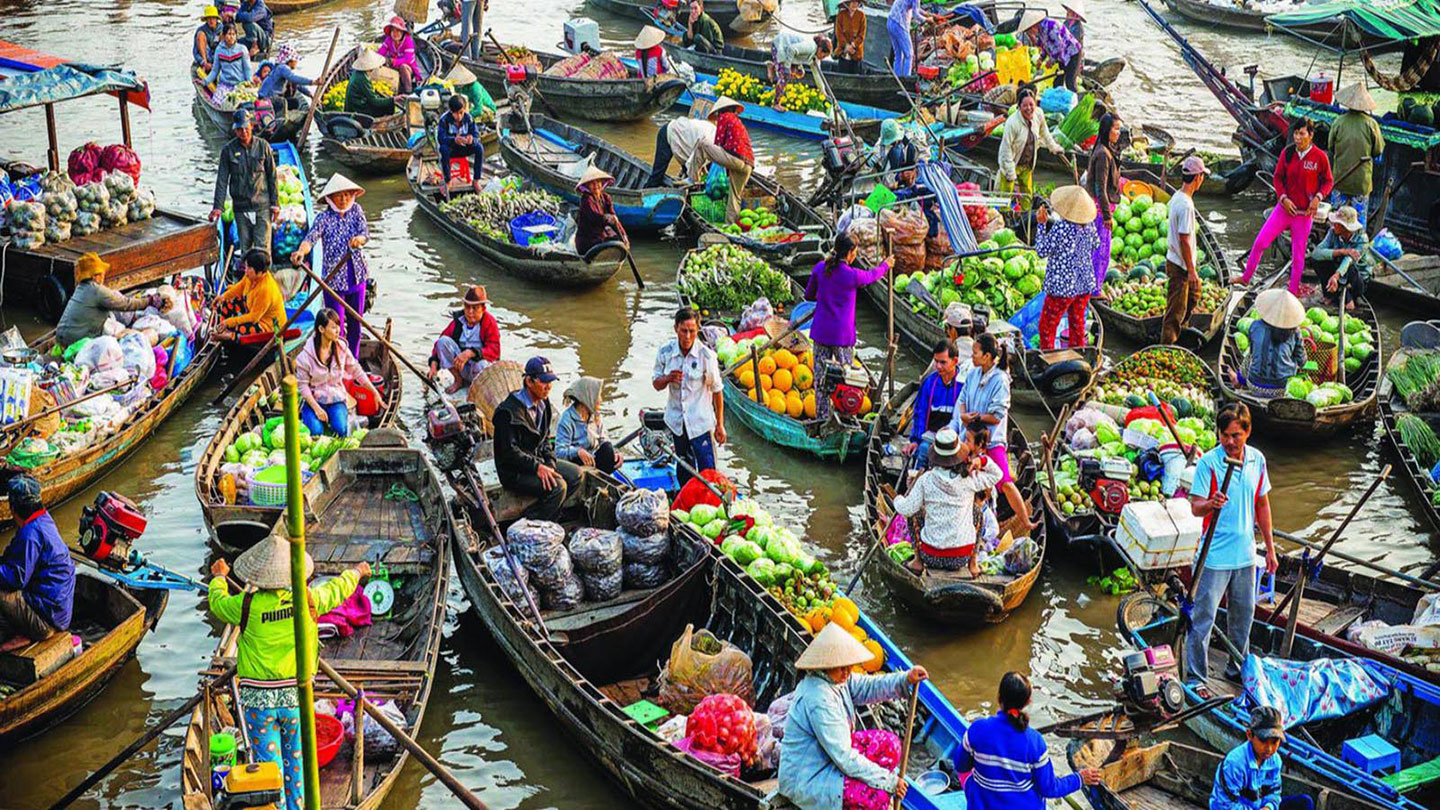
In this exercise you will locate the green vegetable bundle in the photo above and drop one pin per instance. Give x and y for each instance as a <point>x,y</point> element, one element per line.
<point>1419,438</point>
<point>1417,379</point>
<point>1079,125</point>
<point>730,278</point>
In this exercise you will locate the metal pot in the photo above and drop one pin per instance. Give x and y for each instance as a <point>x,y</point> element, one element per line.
<point>23,356</point>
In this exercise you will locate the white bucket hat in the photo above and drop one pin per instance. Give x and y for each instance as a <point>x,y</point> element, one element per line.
<point>649,37</point>
<point>591,175</point>
<point>460,75</point>
<point>1356,97</point>
<point>1346,217</point>
<point>338,183</point>
<point>1074,204</point>
<point>1280,309</point>
<point>833,647</point>
<point>266,565</point>
<point>367,61</point>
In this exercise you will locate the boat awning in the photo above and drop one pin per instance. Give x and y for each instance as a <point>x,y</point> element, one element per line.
<point>1388,20</point>
<point>30,78</point>
<point>1411,135</point>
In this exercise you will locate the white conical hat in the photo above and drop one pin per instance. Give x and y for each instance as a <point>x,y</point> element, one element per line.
<point>1356,97</point>
<point>266,564</point>
<point>460,75</point>
<point>1074,204</point>
<point>1076,7</point>
<point>1280,309</point>
<point>649,37</point>
<point>338,183</point>
<point>368,60</point>
<point>833,647</point>
<point>592,174</point>
<point>1031,18</point>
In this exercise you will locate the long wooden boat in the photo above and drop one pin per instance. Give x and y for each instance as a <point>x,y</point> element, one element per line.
<point>1297,418</point>
<point>726,14</point>
<point>802,251</point>
<point>590,663</point>
<point>376,145</point>
<point>359,518</point>
<point>868,85</point>
<point>953,598</point>
<point>626,99</point>
<point>1170,775</point>
<point>557,266</point>
<point>1408,717</point>
<point>278,7</point>
<point>1392,406</point>
<point>237,526</point>
<point>67,475</point>
<point>552,152</point>
<point>1389,286</point>
<point>1242,18</point>
<point>221,116</point>
<point>110,622</point>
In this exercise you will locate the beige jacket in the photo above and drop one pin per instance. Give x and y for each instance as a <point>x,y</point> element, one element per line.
<point>1013,142</point>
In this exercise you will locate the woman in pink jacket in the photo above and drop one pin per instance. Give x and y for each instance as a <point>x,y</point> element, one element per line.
<point>399,52</point>
<point>322,370</point>
<point>1302,180</point>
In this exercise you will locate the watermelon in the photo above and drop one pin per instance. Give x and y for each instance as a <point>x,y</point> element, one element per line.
<point>1242,342</point>
<point>1134,401</point>
<point>1113,275</point>
<point>1134,240</point>
<point>1149,234</point>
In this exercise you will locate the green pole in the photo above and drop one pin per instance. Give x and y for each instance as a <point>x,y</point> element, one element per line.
<point>304,626</point>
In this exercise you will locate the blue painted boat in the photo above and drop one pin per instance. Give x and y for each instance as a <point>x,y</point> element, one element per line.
<point>1407,718</point>
<point>554,154</point>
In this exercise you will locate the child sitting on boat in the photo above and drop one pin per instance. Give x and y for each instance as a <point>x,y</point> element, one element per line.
<point>1249,776</point>
<point>946,493</point>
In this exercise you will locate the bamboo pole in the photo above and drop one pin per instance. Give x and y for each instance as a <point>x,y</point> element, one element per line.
<point>310,113</point>
<point>304,627</point>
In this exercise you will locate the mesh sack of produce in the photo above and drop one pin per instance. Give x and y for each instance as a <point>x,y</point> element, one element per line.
<point>723,724</point>
<point>702,665</point>
<point>596,551</point>
<point>57,231</point>
<point>646,549</point>
<point>907,226</point>
<point>84,164</point>
<point>115,214</point>
<point>512,586</point>
<point>909,258</point>
<point>552,575</point>
<point>602,587</point>
<point>142,207</point>
<point>881,747</point>
<point>567,595</point>
<point>937,250</point>
<point>119,158</point>
<point>536,543</point>
<point>643,512</point>
<point>60,205</point>
<point>121,187</point>
<point>643,576</point>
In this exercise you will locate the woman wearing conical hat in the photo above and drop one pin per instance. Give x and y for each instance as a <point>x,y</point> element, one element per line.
<point>265,652</point>
<point>596,221</point>
<point>338,227</point>
<point>817,761</point>
<point>1276,350</point>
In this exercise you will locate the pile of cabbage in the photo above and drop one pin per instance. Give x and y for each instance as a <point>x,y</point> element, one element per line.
<point>1324,395</point>
<point>1004,280</point>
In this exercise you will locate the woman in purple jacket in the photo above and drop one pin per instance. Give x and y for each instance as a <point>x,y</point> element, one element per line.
<point>832,287</point>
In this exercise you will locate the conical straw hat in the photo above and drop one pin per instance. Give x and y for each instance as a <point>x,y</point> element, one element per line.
<point>1074,204</point>
<point>1356,97</point>
<point>367,61</point>
<point>591,175</point>
<point>649,37</point>
<point>266,564</point>
<point>338,183</point>
<point>833,647</point>
<point>460,75</point>
<point>1280,309</point>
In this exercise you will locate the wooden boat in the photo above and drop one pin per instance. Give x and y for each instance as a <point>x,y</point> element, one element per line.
<point>110,621</point>
<point>278,7</point>
<point>558,266</point>
<point>1392,406</point>
<point>590,663</point>
<point>870,85</point>
<point>552,154</point>
<point>1297,418</point>
<point>1242,18</point>
<point>726,13</point>
<point>1407,718</point>
<point>1173,776</point>
<point>1396,291</point>
<point>221,116</point>
<point>949,597</point>
<point>627,99</point>
<point>236,526</point>
<point>375,145</point>
<point>802,250</point>
<point>359,518</point>
<point>69,474</point>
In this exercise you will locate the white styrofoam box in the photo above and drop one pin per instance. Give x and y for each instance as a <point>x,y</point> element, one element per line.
<point>1157,535</point>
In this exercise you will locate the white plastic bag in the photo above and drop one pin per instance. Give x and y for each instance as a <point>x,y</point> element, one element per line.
<point>139,356</point>
<point>101,354</point>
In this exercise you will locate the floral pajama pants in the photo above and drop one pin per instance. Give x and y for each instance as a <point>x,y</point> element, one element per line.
<point>275,737</point>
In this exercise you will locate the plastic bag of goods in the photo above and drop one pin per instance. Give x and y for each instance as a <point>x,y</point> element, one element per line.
<point>596,551</point>
<point>767,745</point>
<point>27,224</point>
<point>84,164</point>
<point>119,158</point>
<point>723,724</point>
<point>536,543</point>
<point>379,744</point>
<point>514,582</point>
<point>101,354</point>
<point>866,238</point>
<point>643,576</point>
<point>881,747</point>
<point>650,549</point>
<point>856,214</point>
<point>92,197</point>
<point>60,205</point>
<point>643,512</point>
<point>552,575</point>
<point>139,357</point>
<point>602,587</point>
<point>724,763</point>
<point>566,596</point>
<point>702,665</point>
<point>121,187</point>
<point>777,712</point>
<point>937,250</point>
<point>142,207</point>
<point>86,223</point>
<point>115,214</point>
<point>755,315</point>
<point>907,226</point>
<point>909,258</point>
<point>57,231</point>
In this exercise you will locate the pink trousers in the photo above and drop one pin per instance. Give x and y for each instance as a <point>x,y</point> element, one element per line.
<point>1299,227</point>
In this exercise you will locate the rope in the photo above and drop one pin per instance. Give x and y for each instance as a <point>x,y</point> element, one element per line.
<point>1408,78</point>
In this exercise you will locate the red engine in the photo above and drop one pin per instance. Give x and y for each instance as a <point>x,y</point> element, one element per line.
<point>365,403</point>
<point>108,527</point>
<point>848,400</point>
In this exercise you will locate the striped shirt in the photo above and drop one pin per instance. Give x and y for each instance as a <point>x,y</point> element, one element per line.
<point>1010,769</point>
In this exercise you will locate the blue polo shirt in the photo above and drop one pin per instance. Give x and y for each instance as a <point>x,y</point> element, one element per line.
<point>1234,545</point>
<point>1241,783</point>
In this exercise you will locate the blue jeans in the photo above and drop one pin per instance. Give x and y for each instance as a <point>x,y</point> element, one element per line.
<point>1356,201</point>
<point>1240,614</point>
<point>698,451</point>
<point>470,36</point>
<point>336,412</point>
<point>902,48</point>
<point>275,737</point>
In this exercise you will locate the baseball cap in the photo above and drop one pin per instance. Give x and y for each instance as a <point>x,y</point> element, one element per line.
<point>1193,165</point>
<point>538,368</point>
<point>1265,723</point>
<point>240,119</point>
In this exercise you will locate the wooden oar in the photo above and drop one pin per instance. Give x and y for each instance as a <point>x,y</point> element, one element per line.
<point>909,733</point>
<point>1425,582</point>
<point>484,503</point>
<point>58,408</point>
<point>310,113</point>
<point>1296,594</point>
<point>1182,625</point>
<point>446,778</point>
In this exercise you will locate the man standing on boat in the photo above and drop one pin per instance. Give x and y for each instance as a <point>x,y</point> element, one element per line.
<point>695,410</point>
<point>247,175</point>
<point>472,22</point>
<point>524,453</point>
<point>259,25</point>
<point>1183,291</point>
<point>681,140</point>
<point>37,576</point>
<point>1355,143</point>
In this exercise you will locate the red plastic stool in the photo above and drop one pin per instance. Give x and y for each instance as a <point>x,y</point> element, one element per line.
<point>460,170</point>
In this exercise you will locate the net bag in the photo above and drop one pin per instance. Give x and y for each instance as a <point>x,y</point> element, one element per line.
<point>646,550</point>
<point>597,552</point>
<point>537,543</point>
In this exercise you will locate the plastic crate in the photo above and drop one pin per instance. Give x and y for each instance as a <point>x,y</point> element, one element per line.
<point>519,226</point>
<point>646,713</point>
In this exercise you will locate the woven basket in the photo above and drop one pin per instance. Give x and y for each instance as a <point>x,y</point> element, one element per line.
<point>1326,356</point>
<point>493,385</point>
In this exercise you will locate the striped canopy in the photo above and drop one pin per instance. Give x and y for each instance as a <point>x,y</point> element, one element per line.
<point>1391,20</point>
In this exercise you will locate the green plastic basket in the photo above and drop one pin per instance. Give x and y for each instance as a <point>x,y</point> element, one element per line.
<point>268,487</point>
<point>646,714</point>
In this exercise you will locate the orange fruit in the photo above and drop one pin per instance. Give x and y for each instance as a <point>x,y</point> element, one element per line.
<point>859,635</point>
<point>804,378</point>
<point>753,394</point>
<point>843,604</point>
<point>747,377</point>
<point>782,379</point>
<point>784,359</point>
<point>844,618</point>
<point>794,406</point>
<point>766,382</point>
<point>810,404</point>
<point>804,359</point>
<point>816,620</point>
<point>767,365</point>
<point>874,664</point>
<point>865,405</point>
<point>777,402</point>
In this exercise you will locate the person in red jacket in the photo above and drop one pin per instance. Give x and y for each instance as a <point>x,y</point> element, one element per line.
<point>469,343</point>
<point>1302,180</point>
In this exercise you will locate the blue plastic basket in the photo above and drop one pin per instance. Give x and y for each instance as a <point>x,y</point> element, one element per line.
<point>530,220</point>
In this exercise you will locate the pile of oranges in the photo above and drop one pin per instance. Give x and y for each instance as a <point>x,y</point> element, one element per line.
<point>782,381</point>
<point>846,614</point>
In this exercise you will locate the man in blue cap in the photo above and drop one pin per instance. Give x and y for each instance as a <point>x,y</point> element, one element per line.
<point>37,576</point>
<point>524,449</point>
<point>1248,778</point>
<point>247,176</point>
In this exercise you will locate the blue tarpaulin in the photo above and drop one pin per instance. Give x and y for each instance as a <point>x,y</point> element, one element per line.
<point>64,82</point>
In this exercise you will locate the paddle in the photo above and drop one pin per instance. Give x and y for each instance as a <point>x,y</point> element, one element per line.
<point>505,59</point>
<point>1296,594</point>
<point>1165,418</point>
<point>446,778</point>
<point>909,733</point>
<point>635,271</point>
<point>57,408</point>
<point>1182,625</point>
<point>310,113</point>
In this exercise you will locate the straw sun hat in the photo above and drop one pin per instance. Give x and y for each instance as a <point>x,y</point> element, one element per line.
<point>1074,204</point>
<point>1031,18</point>
<point>1356,97</point>
<point>266,565</point>
<point>339,183</point>
<point>649,37</point>
<point>1280,309</point>
<point>460,75</point>
<point>591,175</point>
<point>725,103</point>
<point>833,647</point>
<point>89,266</point>
<point>369,60</point>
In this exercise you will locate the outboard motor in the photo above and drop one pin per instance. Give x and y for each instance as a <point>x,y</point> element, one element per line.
<point>1150,682</point>
<point>108,529</point>
<point>445,431</point>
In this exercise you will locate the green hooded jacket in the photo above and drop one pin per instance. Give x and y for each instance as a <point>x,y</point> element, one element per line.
<point>267,644</point>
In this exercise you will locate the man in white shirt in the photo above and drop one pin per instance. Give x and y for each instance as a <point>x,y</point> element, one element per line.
<point>680,140</point>
<point>695,410</point>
